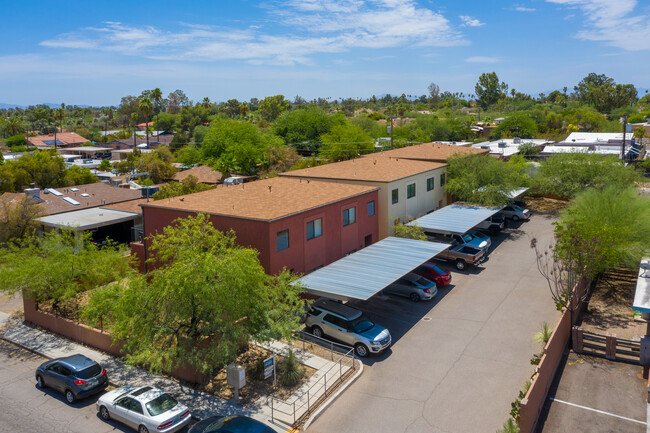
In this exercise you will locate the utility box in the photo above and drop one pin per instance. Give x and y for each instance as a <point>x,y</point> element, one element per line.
<point>236,376</point>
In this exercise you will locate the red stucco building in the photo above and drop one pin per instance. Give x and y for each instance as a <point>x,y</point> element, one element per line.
<point>297,224</point>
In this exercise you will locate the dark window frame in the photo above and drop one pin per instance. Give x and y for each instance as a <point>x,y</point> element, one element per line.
<point>277,240</point>
<point>410,190</point>
<point>431,183</point>
<point>395,196</point>
<point>311,233</point>
<point>346,216</point>
<point>374,210</point>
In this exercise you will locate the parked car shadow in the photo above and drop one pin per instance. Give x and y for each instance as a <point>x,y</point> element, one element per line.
<point>85,402</point>
<point>397,314</point>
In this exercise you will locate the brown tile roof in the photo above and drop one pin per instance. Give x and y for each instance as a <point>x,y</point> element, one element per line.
<point>67,138</point>
<point>373,168</point>
<point>130,206</point>
<point>265,200</point>
<point>204,173</point>
<point>100,194</point>
<point>429,152</point>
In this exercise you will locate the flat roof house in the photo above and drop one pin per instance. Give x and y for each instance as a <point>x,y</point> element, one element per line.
<point>407,188</point>
<point>298,224</point>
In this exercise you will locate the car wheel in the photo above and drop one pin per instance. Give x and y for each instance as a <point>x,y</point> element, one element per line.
<point>69,396</point>
<point>39,381</point>
<point>317,332</point>
<point>414,297</point>
<point>361,350</point>
<point>103,412</point>
<point>515,218</point>
<point>460,264</point>
<point>143,429</point>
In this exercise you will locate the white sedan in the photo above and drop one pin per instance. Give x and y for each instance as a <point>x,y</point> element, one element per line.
<point>145,408</point>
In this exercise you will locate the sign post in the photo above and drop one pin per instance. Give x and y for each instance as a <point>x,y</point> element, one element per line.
<point>269,368</point>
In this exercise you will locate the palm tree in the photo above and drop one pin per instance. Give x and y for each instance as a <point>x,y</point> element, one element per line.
<point>146,106</point>
<point>156,95</point>
<point>132,123</point>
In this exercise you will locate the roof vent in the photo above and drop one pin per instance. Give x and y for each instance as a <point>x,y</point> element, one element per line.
<point>503,144</point>
<point>516,140</point>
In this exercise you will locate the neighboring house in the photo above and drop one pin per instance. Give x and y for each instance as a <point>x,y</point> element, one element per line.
<point>506,147</point>
<point>407,188</point>
<point>298,224</point>
<point>89,152</point>
<point>63,139</point>
<point>60,200</point>
<point>433,152</point>
<point>204,174</point>
<point>604,143</point>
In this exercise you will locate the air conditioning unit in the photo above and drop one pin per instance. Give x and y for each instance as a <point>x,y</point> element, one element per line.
<point>503,144</point>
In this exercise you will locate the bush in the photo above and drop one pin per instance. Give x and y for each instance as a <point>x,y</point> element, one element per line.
<point>257,371</point>
<point>290,370</point>
<point>509,426</point>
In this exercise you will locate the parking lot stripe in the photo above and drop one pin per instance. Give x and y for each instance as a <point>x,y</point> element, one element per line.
<point>598,411</point>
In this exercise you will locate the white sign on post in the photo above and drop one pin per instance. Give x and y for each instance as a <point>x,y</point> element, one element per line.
<point>269,364</point>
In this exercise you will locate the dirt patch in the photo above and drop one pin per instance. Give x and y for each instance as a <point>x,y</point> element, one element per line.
<point>254,388</point>
<point>610,307</point>
<point>545,205</point>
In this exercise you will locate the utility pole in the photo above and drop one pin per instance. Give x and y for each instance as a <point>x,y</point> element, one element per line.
<point>624,130</point>
<point>391,132</point>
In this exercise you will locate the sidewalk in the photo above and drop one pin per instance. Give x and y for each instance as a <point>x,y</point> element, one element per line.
<point>200,403</point>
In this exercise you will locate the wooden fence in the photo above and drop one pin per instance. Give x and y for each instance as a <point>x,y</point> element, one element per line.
<point>606,346</point>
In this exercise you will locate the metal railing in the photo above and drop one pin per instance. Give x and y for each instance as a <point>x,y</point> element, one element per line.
<point>306,402</point>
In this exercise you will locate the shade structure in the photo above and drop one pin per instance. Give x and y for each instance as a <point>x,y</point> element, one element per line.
<point>364,273</point>
<point>642,294</point>
<point>86,219</point>
<point>455,218</point>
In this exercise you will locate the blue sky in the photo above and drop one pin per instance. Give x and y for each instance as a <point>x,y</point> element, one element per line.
<point>95,52</point>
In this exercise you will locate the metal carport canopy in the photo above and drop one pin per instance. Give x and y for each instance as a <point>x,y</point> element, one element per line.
<point>455,218</point>
<point>366,272</point>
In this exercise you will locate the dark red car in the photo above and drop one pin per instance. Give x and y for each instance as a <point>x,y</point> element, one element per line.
<point>433,272</point>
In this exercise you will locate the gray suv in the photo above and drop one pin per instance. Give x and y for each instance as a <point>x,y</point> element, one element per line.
<point>76,376</point>
<point>348,325</point>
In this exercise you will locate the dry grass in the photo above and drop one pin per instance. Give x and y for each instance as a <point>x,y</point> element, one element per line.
<point>610,306</point>
<point>545,205</point>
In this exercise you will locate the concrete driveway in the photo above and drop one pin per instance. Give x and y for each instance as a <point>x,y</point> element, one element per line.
<point>458,361</point>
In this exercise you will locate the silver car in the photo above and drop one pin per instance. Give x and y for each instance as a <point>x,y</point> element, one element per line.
<point>145,408</point>
<point>348,325</point>
<point>515,213</point>
<point>414,287</point>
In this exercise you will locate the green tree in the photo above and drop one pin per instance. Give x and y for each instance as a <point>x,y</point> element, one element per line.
<point>156,97</point>
<point>487,89</point>
<point>410,232</point>
<point>207,299</point>
<point>604,93</point>
<point>345,142</point>
<point>167,122</point>
<point>485,180</point>
<point>60,265</point>
<point>44,168</point>
<point>567,174</point>
<point>18,219</point>
<point>16,141</point>
<point>517,124</point>
<point>105,165</point>
<point>189,185</point>
<point>298,126</point>
<point>272,106</point>
<point>76,175</point>
<point>232,145</point>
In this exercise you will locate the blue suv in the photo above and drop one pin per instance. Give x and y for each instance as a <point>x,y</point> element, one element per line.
<point>76,376</point>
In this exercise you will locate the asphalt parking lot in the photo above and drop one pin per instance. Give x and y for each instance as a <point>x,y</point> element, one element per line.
<point>26,408</point>
<point>458,361</point>
<point>595,395</point>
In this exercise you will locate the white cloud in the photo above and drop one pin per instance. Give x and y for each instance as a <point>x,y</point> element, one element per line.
<point>524,9</point>
<point>616,23</point>
<point>470,22</point>
<point>482,59</point>
<point>317,26</point>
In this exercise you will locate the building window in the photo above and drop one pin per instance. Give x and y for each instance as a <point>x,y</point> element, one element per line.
<point>395,194</point>
<point>371,208</point>
<point>314,228</point>
<point>410,190</point>
<point>282,240</point>
<point>431,183</point>
<point>349,216</point>
<point>442,179</point>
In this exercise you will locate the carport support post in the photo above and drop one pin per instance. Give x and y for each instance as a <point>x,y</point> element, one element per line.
<point>645,343</point>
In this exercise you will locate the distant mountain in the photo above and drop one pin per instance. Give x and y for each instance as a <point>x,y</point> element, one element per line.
<point>49,104</point>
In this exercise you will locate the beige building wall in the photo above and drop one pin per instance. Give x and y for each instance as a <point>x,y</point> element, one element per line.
<point>405,209</point>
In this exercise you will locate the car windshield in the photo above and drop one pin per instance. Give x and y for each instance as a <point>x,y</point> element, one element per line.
<point>361,324</point>
<point>89,372</point>
<point>467,238</point>
<point>422,281</point>
<point>515,208</point>
<point>237,424</point>
<point>161,404</point>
